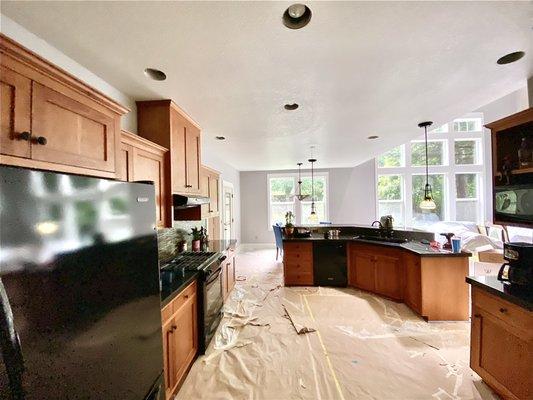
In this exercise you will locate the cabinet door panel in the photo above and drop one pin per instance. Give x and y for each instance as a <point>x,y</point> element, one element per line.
<point>15,113</point>
<point>177,152</point>
<point>365,271</point>
<point>213,194</point>
<point>501,356</point>
<point>168,356</point>
<point>75,133</point>
<point>192,149</point>
<point>389,277</point>
<point>413,284</point>
<point>149,167</point>
<point>125,164</point>
<point>185,337</point>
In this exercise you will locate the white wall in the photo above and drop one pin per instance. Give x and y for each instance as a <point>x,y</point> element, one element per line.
<point>352,199</point>
<point>34,43</point>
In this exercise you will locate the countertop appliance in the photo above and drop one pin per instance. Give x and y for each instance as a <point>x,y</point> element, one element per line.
<point>210,298</point>
<point>80,310</point>
<point>329,264</point>
<point>518,270</point>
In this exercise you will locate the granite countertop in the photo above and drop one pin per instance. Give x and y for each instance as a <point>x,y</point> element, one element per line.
<point>172,286</point>
<point>412,246</point>
<point>520,296</point>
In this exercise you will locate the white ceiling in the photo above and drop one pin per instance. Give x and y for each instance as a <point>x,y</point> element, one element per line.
<point>357,69</point>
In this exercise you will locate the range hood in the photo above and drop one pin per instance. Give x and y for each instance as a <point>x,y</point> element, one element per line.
<point>180,201</point>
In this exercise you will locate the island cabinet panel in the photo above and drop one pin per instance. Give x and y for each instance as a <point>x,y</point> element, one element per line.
<point>15,117</point>
<point>298,263</point>
<point>501,350</point>
<point>412,291</point>
<point>180,338</point>
<point>51,120</point>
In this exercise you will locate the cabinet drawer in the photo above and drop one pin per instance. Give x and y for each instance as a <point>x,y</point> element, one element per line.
<point>298,247</point>
<point>298,267</point>
<point>296,279</point>
<point>298,257</point>
<point>504,310</point>
<point>178,301</point>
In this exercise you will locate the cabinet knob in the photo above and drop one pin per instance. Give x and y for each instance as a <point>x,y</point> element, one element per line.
<point>173,328</point>
<point>41,140</point>
<point>503,310</point>
<point>188,186</point>
<point>186,296</point>
<point>24,136</point>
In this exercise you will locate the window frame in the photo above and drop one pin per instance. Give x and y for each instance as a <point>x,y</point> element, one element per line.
<point>297,204</point>
<point>449,169</point>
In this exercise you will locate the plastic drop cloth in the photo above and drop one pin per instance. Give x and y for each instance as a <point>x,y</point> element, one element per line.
<point>364,347</point>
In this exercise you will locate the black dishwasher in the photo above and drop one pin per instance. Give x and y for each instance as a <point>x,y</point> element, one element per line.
<point>329,263</point>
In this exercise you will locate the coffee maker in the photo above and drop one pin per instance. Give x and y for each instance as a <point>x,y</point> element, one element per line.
<point>518,270</point>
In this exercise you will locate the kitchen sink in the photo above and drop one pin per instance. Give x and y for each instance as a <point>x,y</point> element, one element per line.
<point>381,239</point>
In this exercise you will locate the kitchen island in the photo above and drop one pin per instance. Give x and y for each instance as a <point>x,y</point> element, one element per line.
<point>429,281</point>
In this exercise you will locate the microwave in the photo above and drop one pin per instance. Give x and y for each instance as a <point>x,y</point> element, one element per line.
<point>514,204</point>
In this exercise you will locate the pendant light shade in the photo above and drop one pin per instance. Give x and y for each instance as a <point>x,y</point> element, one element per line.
<point>300,196</point>
<point>313,218</point>
<point>427,203</point>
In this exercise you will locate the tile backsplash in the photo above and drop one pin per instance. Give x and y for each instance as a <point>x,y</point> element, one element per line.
<point>168,238</point>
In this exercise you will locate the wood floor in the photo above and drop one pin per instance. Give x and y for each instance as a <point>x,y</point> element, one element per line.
<point>363,346</point>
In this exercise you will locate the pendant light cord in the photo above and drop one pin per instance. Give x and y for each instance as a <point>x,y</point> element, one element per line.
<point>426,138</point>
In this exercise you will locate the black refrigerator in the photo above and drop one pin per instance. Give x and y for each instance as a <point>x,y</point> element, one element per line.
<point>79,288</point>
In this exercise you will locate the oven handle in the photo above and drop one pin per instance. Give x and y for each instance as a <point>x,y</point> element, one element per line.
<point>214,276</point>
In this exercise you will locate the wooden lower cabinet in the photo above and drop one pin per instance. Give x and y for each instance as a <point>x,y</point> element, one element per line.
<point>412,295</point>
<point>376,272</point>
<point>501,348</point>
<point>298,264</point>
<point>142,160</point>
<point>228,273</point>
<point>180,337</point>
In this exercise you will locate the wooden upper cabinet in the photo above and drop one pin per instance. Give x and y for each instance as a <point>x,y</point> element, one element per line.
<point>142,160</point>
<point>209,187</point>
<point>15,113</point>
<point>53,121</point>
<point>164,123</point>
<point>65,131</point>
<point>192,157</point>
<point>214,194</point>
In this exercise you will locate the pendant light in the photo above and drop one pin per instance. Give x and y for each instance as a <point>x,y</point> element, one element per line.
<point>300,196</point>
<point>313,218</point>
<point>427,203</point>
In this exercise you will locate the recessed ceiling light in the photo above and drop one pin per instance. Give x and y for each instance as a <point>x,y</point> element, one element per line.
<point>155,74</point>
<point>372,137</point>
<point>511,57</point>
<point>296,16</point>
<point>291,107</point>
<point>220,137</point>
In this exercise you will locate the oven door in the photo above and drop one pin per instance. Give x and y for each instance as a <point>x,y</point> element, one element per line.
<point>213,302</point>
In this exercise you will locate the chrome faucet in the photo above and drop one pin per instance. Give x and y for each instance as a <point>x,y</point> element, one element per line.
<point>380,224</point>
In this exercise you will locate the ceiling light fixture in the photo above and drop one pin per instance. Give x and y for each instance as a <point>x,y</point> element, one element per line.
<point>300,196</point>
<point>372,137</point>
<point>291,107</point>
<point>155,74</point>
<point>296,16</point>
<point>511,57</point>
<point>427,202</point>
<point>220,137</point>
<point>313,218</point>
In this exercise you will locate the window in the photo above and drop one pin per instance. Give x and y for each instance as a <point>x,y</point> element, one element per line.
<point>435,153</point>
<point>456,174</point>
<point>282,190</point>
<point>390,197</point>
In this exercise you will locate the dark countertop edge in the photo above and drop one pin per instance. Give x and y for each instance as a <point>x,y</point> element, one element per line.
<point>528,305</point>
<point>377,243</point>
<point>186,282</point>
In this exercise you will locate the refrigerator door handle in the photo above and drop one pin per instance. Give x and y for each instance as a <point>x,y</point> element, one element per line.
<point>10,346</point>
